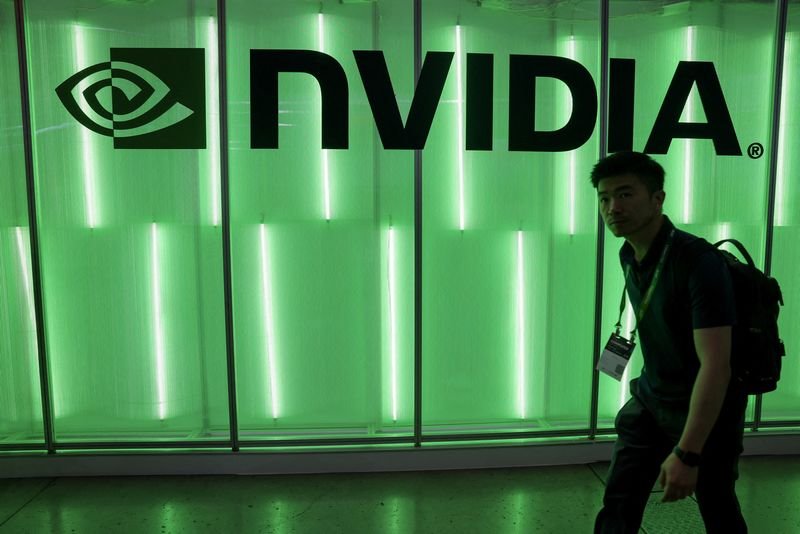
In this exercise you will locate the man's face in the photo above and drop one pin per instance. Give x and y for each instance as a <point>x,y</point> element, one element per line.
<point>626,205</point>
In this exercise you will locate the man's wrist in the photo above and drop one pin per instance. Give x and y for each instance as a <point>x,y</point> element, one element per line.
<point>691,459</point>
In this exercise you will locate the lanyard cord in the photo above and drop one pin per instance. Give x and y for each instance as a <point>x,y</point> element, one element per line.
<point>650,290</point>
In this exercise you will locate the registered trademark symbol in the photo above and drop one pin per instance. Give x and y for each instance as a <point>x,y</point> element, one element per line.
<point>755,150</point>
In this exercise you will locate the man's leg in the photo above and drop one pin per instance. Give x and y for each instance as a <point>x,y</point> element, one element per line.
<point>716,480</point>
<point>640,450</point>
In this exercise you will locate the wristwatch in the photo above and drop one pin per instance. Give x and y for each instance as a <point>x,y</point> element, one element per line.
<point>691,459</point>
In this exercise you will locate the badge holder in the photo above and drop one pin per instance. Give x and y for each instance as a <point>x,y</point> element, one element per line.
<point>616,355</point>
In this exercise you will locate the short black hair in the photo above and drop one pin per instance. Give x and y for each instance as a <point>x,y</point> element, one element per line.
<point>641,165</point>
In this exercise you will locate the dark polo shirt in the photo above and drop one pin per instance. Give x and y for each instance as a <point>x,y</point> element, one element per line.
<point>694,291</point>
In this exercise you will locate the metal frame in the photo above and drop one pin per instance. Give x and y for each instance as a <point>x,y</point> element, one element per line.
<point>33,221</point>
<point>417,243</point>
<point>418,437</point>
<point>226,221</point>
<point>600,255</point>
<point>780,49</point>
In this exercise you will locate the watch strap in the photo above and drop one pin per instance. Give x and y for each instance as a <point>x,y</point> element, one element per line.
<point>691,459</point>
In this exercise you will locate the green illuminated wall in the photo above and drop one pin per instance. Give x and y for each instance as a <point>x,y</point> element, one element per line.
<point>322,242</point>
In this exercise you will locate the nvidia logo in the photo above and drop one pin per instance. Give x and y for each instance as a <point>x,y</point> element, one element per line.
<point>142,98</point>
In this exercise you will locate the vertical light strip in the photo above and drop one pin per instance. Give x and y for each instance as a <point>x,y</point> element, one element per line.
<point>573,157</point>
<point>158,321</point>
<point>723,231</point>
<point>87,142</point>
<point>393,321</point>
<point>687,143</point>
<point>25,270</point>
<point>26,278</point>
<point>325,168</point>
<point>781,182</point>
<point>212,67</point>
<point>460,128</point>
<point>521,400</point>
<point>266,292</point>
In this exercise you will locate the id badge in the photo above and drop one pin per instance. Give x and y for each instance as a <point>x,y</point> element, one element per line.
<point>615,356</point>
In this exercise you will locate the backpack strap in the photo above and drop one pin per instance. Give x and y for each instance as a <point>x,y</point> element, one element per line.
<point>740,248</point>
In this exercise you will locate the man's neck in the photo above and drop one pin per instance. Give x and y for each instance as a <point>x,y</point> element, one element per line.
<point>641,240</point>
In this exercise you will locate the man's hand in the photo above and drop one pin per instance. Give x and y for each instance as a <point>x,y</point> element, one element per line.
<point>677,479</point>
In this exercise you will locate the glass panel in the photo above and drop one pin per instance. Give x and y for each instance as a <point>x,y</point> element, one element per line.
<point>322,240</point>
<point>784,403</point>
<point>130,246</point>
<point>710,195</point>
<point>509,236</point>
<point>20,393</point>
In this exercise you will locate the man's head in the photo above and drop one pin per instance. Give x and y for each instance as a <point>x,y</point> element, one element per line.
<point>630,191</point>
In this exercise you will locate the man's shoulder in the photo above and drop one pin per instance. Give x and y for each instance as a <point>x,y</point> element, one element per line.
<point>690,246</point>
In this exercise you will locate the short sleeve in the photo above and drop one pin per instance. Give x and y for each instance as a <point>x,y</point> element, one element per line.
<point>711,292</point>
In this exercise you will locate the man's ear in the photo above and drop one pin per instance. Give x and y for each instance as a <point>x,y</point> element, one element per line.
<point>659,197</point>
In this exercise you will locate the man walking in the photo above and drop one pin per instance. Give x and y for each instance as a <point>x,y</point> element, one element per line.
<point>684,424</point>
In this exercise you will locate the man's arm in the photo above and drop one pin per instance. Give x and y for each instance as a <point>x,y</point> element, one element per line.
<point>713,347</point>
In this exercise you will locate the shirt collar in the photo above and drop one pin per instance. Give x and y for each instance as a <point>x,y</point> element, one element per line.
<point>627,254</point>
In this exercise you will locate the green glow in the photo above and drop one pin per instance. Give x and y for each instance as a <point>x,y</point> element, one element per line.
<point>723,231</point>
<point>572,155</point>
<point>521,350</point>
<point>25,269</point>
<point>212,68</point>
<point>687,158</point>
<point>23,252</point>
<point>781,186</point>
<point>87,141</point>
<point>325,166</point>
<point>269,328</point>
<point>158,322</point>
<point>393,320</point>
<point>460,129</point>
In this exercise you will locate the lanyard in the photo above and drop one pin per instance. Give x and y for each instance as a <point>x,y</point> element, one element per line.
<point>650,289</point>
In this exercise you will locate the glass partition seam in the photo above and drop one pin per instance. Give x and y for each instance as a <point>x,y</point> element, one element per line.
<point>417,243</point>
<point>598,296</point>
<point>780,42</point>
<point>27,135</point>
<point>222,48</point>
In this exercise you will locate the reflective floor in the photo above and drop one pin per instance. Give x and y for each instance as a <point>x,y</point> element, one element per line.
<point>561,499</point>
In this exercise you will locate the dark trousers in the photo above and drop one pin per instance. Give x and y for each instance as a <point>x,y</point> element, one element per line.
<point>645,438</point>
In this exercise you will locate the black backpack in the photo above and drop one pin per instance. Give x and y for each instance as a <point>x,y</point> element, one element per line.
<point>757,350</point>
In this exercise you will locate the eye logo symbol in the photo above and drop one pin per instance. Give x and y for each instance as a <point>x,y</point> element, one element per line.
<point>143,98</point>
